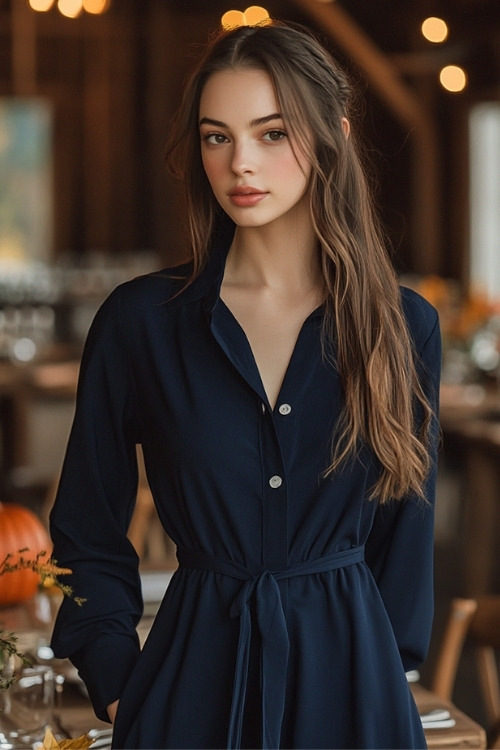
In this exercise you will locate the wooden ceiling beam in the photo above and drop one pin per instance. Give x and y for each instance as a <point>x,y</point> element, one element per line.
<point>377,66</point>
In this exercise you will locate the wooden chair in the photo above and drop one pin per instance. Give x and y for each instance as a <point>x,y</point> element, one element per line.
<point>479,621</point>
<point>152,544</point>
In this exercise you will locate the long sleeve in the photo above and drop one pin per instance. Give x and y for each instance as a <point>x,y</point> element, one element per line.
<point>399,549</point>
<point>91,516</point>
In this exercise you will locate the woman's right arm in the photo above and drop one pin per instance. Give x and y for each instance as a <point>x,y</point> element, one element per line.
<point>92,512</point>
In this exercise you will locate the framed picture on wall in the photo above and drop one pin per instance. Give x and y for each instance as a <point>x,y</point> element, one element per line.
<point>26,195</point>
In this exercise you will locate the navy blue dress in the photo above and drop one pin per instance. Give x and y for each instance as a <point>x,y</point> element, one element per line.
<point>298,603</point>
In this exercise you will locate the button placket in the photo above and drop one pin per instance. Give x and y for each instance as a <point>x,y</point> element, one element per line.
<point>275,495</point>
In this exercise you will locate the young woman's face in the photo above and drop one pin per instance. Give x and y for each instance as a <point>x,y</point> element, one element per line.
<point>255,174</point>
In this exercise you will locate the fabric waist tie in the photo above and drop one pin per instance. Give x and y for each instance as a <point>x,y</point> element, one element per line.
<point>263,588</point>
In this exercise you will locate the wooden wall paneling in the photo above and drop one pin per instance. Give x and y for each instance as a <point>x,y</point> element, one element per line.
<point>125,151</point>
<point>457,191</point>
<point>23,49</point>
<point>67,168</point>
<point>426,176</point>
<point>162,45</point>
<point>5,64</point>
<point>97,139</point>
<point>174,40</point>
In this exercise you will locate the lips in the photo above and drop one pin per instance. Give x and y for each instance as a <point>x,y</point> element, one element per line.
<point>246,196</point>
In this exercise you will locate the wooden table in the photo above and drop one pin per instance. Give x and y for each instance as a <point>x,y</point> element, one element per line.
<point>76,718</point>
<point>465,733</point>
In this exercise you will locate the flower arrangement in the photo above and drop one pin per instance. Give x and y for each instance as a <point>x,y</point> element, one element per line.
<point>470,327</point>
<point>461,315</point>
<point>49,572</point>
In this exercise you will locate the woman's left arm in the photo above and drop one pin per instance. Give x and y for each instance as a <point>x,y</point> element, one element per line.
<point>400,547</point>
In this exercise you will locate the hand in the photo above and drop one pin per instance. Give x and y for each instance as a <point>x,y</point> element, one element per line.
<point>112,709</point>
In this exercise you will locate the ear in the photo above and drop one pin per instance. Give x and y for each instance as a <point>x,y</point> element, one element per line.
<point>346,126</point>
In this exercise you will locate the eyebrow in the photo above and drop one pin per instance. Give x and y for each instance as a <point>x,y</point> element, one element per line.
<point>254,123</point>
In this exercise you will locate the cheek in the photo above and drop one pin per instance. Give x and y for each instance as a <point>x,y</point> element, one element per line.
<point>294,174</point>
<point>214,169</point>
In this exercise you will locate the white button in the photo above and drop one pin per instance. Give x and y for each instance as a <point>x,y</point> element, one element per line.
<point>285,409</point>
<point>275,482</point>
<point>263,408</point>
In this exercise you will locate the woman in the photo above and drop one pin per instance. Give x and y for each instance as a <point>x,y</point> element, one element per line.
<point>284,391</point>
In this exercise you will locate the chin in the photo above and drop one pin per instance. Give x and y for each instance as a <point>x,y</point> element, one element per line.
<point>247,221</point>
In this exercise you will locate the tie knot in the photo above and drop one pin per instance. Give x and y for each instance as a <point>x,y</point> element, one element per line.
<point>260,585</point>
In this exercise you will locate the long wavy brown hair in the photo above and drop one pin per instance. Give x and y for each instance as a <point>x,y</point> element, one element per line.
<point>364,330</point>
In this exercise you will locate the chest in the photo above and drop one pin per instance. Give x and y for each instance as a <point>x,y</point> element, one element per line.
<point>196,377</point>
<point>272,328</point>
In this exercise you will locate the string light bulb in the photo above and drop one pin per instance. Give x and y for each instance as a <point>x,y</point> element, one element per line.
<point>252,16</point>
<point>42,6</point>
<point>435,30</point>
<point>256,14</point>
<point>232,18</point>
<point>453,78</point>
<point>96,7</point>
<point>70,8</point>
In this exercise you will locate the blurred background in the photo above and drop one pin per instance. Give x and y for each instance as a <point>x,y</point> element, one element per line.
<point>87,90</point>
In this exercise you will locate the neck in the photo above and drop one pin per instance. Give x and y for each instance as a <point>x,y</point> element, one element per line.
<point>274,257</point>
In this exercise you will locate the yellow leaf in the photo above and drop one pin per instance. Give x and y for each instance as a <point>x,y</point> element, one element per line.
<point>75,744</point>
<point>50,742</point>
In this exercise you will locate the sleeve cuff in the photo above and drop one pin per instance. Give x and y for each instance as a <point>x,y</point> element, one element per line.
<point>105,668</point>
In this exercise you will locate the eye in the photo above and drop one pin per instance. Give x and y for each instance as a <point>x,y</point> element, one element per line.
<point>274,135</point>
<point>215,139</point>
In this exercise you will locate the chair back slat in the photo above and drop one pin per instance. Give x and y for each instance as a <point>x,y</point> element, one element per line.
<point>461,613</point>
<point>479,621</point>
<point>484,628</point>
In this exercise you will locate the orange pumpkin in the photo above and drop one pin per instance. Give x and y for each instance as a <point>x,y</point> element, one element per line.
<point>20,529</point>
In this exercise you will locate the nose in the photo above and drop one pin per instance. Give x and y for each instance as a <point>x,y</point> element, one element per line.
<point>243,158</point>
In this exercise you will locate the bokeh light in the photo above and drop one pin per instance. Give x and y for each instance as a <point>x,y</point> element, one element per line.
<point>233,18</point>
<point>70,8</point>
<point>435,29</point>
<point>252,16</point>
<point>256,14</point>
<point>96,6</point>
<point>453,78</point>
<point>41,5</point>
